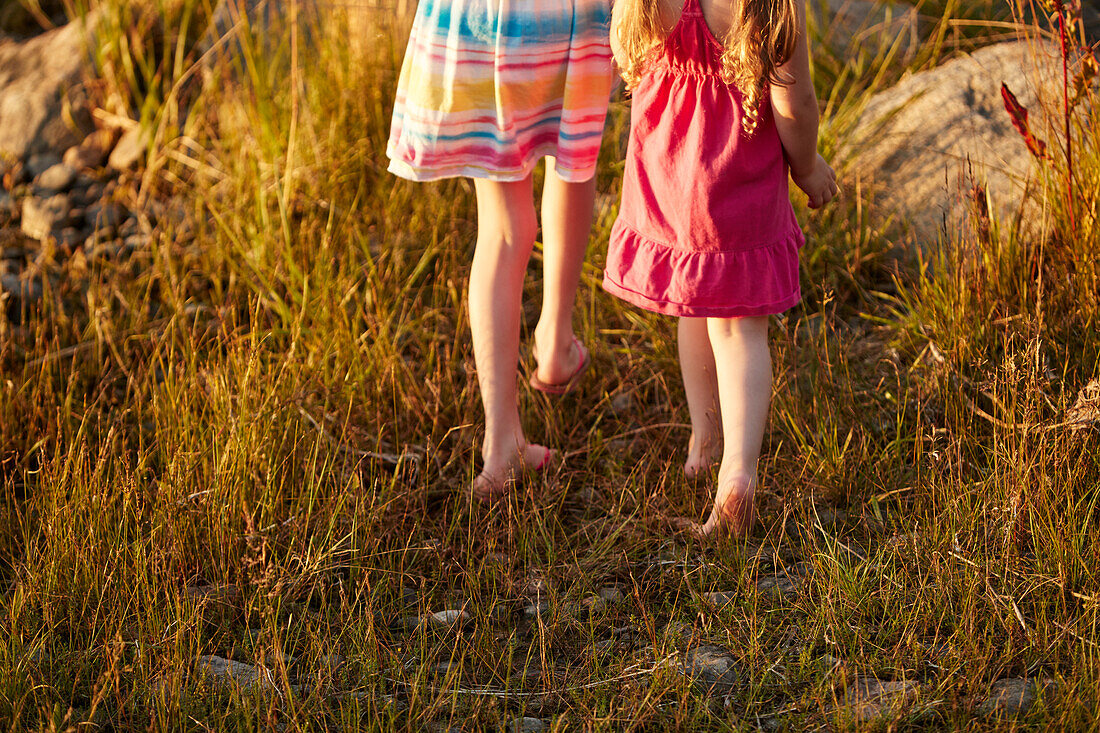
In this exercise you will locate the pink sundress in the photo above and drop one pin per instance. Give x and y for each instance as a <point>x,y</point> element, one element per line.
<point>706,227</point>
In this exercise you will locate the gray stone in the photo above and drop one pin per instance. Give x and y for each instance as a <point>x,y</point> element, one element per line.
<point>227,594</point>
<point>1085,412</point>
<point>452,617</point>
<point>869,698</point>
<point>70,238</point>
<point>55,179</point>
<point>104,215</point>
<point>590,606</point>
<point>538,609</point>
<point>712,668</point>
<point>130,149</point>
<point>41,162</point>
<point>405,624</point>
<point>41,94</point>
<point>611,594</point>
<point>526,725</point>
<point>43,216</point>
<point>230,672</point>
<point>622,403</point>
<point>921,146</point>
<point>330,661</point>
<point>1014,696</point>
<point>444,668</point>
<point>721,598</point>
<point>92,152</point>
<point>782,585</point>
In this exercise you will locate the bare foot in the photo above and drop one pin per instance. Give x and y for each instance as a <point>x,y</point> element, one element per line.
<point>498,478</point>
<point>732,514</point>
<point>702,455</point>
<point>559,375</point>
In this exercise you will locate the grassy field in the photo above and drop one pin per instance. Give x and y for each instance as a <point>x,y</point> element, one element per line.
<point>251,441</point>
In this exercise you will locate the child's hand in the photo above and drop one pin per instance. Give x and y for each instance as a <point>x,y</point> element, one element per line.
<point>819,184</point>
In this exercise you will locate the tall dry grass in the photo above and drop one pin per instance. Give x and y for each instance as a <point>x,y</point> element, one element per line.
<point>251,442</point>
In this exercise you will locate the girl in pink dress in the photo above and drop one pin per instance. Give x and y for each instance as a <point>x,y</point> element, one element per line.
<point>706,230</point>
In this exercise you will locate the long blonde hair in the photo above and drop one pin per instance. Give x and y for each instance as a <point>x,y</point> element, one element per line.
<point>753,49</point>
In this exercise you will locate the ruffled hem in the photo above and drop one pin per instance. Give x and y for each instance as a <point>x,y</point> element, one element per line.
<point>423,174</point>
<point>731,284</point>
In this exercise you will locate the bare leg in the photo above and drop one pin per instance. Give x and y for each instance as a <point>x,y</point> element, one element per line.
<point>701,386</point>
<point>505,237</point>
<point>566,227</point>
<point>744,390</point>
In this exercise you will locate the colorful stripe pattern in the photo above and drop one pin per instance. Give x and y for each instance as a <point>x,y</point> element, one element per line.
<point>488,87</point>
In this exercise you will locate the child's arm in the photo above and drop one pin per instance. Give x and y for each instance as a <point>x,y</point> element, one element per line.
<point>795,109</point>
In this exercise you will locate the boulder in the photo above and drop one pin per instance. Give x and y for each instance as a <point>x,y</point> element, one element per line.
<point>41,95</point>
<point>1014,696</point>
<point>920,146</point>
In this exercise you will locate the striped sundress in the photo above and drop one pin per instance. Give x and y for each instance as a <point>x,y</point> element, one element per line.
<point>489,87</point>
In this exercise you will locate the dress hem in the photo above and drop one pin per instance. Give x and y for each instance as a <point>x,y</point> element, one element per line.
<point>410,172</point>
<point>682,310</point>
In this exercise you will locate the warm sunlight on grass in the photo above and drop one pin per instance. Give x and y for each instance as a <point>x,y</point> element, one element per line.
<point>251,442</point>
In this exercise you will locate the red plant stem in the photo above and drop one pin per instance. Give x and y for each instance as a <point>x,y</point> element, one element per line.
<point>1059,5</point>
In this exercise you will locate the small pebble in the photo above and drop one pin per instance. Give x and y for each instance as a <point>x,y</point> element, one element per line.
<point>55,179</point>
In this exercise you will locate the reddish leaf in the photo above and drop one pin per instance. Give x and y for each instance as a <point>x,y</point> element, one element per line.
<point>1018,113</point>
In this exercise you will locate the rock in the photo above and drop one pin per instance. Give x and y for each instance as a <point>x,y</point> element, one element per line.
<point>537,610</point>
<point>443,668</point>
<point>92,193</point>
<point>720,599</point>
<point>526,725</point>
<point>229,672</point>
<point>611,594</point>
<point>712,668</point>
<point>15,174</point>
<point>43,216</point>
<point>869,698</point>
<point>1085,412</point>
<point>55,179</point>
<point>450,618</point>
<point>92,152</point>
<point>41,162</point>
<point>921,146</point>
<point>70,238</point>
<point>7,207</point>
<point>41,94</point>
<point>1014,696</point>
<point>330,661</point>
<point>404,624</point>
<point>622,403</point>
<point>782,585</point>
<point>212,593</point>
<point>104,215</point>
<point>130,149</point>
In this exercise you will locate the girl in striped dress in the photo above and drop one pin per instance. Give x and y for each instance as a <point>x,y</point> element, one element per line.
<point>487,89</point>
